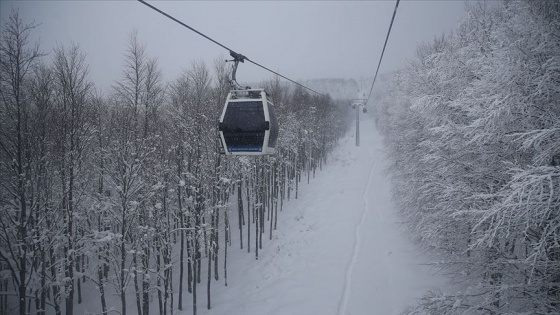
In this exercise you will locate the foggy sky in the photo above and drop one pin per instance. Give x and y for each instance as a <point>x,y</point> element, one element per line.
<point>300,39</point>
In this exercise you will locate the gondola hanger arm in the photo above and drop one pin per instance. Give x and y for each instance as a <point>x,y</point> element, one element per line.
<point>236,59</point>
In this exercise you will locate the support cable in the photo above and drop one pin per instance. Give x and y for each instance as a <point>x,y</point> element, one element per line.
<point>231,51</point>
<point>383,52</point>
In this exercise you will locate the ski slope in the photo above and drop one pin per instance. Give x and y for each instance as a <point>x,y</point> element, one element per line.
<point>339,248</point>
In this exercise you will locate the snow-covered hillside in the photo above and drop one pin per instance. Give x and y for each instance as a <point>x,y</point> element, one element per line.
<point>340,247</point>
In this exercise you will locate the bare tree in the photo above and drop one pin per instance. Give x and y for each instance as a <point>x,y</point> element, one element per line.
<point>17,58</point>
<point>42,97</point>
<point>73,88</point>
<point>131,89</point>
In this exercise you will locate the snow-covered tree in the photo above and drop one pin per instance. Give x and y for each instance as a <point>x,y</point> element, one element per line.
<point>472,129</point>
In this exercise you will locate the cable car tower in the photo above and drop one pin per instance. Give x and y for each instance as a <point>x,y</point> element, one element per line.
<point>248,124</point>
<point>357,104</point>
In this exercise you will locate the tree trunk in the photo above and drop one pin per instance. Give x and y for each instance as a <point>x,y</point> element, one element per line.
<point>248,217</point>
<point>22,228</point>
<point>158,283</point>
<point>194,277</point>
<point>122,283</point>
<point>55,287</point>
<point>240,212</point>
<point>136,286</point>
<point>182,251</point>
<point>226,240</point>
<point>257,224</point>
<point>208,280</point>
<point>102,288</point>
<point>146,282</point>
<point>43,283</point>
<point>69,266</point>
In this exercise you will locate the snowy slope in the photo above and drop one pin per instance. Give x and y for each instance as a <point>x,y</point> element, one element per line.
<point>339,249</point>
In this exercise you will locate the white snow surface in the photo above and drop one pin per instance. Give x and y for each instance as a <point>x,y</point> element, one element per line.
<point>339,249</point>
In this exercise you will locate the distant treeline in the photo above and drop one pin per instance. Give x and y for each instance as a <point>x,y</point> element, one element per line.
<point>472,126</point>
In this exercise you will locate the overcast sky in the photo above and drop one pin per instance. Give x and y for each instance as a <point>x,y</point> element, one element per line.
<point>300,39</point>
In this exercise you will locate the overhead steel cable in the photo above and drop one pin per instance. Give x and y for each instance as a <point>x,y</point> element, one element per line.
<point>383,52</point>
<point>231,51</point>
<point>278,74</point>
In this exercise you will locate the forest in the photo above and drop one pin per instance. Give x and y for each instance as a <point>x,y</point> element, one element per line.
<point>124,191</point>
<point>472,128</point>
<point>121,195</point>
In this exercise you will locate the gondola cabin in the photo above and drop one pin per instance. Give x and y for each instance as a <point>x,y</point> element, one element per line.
<point>248,124</point>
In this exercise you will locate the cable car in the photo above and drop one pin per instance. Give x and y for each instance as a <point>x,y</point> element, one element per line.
<point>248,124</point>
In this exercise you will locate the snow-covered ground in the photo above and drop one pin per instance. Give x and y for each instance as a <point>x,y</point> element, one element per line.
<point>339,248</point>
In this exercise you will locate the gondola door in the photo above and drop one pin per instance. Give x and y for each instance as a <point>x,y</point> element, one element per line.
<point>243,127</point>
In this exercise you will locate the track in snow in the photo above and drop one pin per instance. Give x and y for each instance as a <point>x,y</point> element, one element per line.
<point>342,305</point>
